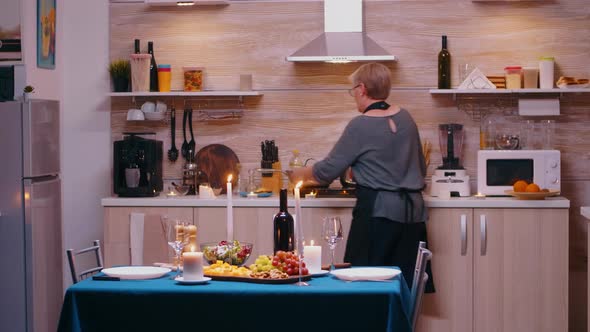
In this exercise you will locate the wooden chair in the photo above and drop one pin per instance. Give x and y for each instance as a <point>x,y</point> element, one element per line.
<point>76,275</point>
<point>419,282</point>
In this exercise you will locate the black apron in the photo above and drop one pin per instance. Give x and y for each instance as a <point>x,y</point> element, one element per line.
<point>376,241</point>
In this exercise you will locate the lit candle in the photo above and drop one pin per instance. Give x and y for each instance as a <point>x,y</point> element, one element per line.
<point>298,219</point>
<point>230,213</point>
<point>171,194</point>
<point>313,258</point>
<point>480,196</point>
<point>252,195</point>
<point>310,195</point>
<point>193,265</point>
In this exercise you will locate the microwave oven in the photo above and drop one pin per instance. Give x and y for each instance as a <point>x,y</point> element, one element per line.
<point>497,170</point>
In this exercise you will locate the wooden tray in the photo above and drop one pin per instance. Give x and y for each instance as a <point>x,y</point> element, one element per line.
<point>290,280</point>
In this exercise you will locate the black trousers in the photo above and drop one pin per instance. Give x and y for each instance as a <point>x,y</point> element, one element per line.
<point>383,242</point>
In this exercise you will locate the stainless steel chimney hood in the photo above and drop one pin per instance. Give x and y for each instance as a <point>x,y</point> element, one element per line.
<point>343,39</point>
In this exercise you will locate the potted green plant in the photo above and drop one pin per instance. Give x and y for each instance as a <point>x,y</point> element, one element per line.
<point>28,91</point>
<point>120,71</point>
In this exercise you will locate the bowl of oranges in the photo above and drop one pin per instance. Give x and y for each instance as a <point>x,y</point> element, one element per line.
<point>531,191</point>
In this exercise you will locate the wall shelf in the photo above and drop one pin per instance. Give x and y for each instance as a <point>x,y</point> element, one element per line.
<point>505,91</point>
<point>529,102</point>
<point>220,93</point>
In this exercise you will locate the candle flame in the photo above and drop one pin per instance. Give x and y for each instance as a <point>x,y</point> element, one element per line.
<point>192,248</point>
<point>299,184</point>
<point>312,242</point>
<point>229,178</point>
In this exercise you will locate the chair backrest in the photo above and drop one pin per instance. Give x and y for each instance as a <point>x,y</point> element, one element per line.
<point>419,282</point>
<point>80,275</point>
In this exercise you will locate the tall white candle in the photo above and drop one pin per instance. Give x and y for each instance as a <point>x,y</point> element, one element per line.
<point>298,219</point>
<point>313,258</point>
<point>192,266</point>
<point>230,213</point>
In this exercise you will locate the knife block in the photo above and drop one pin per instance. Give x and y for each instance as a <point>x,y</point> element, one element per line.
<point>273,183</point>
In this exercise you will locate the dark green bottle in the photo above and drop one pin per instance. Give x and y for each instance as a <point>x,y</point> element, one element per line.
<point>444,66</point>
<point>284,226</point>
<point>153,68</point>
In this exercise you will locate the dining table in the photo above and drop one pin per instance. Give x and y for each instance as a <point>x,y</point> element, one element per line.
<point>162,304</point>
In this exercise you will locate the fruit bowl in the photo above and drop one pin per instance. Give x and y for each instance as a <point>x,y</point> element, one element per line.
<point>235,253</point>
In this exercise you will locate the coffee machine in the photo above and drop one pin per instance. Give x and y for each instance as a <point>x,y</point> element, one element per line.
<point>138,165</point>
<point>450,178</point>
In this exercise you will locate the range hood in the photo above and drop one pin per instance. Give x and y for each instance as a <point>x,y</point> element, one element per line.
<point>343,39</point>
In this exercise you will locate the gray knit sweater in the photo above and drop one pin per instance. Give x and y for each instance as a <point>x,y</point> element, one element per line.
<point>381,160</point>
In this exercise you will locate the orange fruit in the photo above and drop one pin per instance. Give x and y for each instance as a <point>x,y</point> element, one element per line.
<point>532,188</point>
<point>520,186</point>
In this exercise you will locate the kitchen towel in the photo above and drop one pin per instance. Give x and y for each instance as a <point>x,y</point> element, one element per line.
<point>136,227</point>
<point>155,248</point>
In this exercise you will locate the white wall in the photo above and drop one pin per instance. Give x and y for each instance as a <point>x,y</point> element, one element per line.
<point>80,81</point>
<point>86,156</point>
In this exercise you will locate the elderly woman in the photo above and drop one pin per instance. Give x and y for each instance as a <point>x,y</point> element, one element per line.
<point>383,148</point>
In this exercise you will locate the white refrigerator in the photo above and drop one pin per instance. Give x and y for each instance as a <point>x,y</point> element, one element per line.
<point>31,253</point>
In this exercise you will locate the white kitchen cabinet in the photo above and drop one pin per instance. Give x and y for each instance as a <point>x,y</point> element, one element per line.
<point>117,240</point>
<point>255,225</point>
<point>251,224</point>
<point>497,270</point>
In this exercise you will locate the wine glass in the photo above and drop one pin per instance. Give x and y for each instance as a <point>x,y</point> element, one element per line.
<point>175,236</point>
<point>332,234</point>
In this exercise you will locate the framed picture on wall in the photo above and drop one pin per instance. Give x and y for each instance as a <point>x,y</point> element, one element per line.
<point>46,34</point>
<point>10,42</point>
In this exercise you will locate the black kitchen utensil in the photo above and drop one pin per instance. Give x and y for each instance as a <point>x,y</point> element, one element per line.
<point>173,152</point>
<point>184,147</point>
<point>191,144</point>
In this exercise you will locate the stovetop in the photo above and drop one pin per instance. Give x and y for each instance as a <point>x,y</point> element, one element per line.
<point>330,192</point>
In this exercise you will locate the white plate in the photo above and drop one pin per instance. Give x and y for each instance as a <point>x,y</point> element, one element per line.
<point>365,273</point>
<point>181,280</point>
<point>136,272</point>
<point>319,273</point>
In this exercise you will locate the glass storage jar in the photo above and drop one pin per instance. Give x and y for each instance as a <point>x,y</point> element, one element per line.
<point>513,77</point>
<point>193,78</point>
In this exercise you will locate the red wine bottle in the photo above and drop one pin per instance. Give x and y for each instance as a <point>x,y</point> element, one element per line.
<point>153,68</point>
<point>284,229</point>
<point>444,66</point>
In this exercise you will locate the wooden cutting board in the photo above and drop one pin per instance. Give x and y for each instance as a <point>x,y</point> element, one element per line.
<point>217,161</point>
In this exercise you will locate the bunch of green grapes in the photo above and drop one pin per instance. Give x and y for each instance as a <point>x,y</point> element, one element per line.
<point>262,264</point>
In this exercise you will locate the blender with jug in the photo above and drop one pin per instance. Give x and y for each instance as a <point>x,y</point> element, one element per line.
<point>450,179</point>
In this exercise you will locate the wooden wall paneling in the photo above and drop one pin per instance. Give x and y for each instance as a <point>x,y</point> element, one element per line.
<point>490,37</point>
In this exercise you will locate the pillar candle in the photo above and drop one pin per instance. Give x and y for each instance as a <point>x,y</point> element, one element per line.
<point>230,213</point>
<point>193,266</point>
<point>313,258</point>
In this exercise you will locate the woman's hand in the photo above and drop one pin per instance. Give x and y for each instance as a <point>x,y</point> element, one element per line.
<point>304,174</point>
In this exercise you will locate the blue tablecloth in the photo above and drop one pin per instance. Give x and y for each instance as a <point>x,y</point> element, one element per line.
<point>328,304</point>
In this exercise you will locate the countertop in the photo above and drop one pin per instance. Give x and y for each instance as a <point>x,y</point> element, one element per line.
<point>585,211</point>
<point>455,202</point>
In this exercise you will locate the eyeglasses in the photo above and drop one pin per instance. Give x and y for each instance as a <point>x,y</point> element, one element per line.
<point>351,91</point>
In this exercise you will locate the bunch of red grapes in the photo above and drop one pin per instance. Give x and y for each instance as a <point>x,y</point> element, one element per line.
<point>288,262</point>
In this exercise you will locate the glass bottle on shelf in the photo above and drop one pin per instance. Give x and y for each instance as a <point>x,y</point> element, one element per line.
<point>444,66</point>
<point>153,68</point>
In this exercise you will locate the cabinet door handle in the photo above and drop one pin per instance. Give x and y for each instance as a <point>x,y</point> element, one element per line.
<point>463,235</point>
<point>483,228</point>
